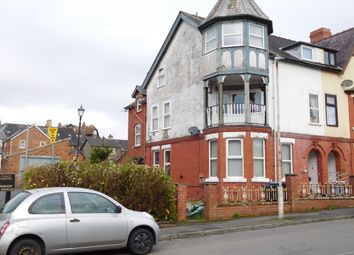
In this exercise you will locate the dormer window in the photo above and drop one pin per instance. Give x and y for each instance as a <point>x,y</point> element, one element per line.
<point>232,34</point>
<point>211,39</point>
<point>307,53</point>
<point>329,58</point>
<point>256,36</point>
<point>161,77</point>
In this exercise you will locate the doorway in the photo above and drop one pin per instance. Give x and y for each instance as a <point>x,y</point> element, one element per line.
<point>313,167</point>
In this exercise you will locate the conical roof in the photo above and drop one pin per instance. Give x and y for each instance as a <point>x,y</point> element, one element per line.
<point>229,9</point>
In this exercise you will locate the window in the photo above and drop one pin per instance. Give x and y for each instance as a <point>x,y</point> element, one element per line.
<point>213,159</point>
<point>234,158</point>
<point>15,202</point>
<point>139,104</point>
<point>307,53</point>
<point>156,158</point>
<point>258,158</point>
<point>22,144</point>
<point>49,204</point>
<point>161,77</point>
<point>287,159</point>
<point>331,110</point>
<point>42,143</point>
<point>155,118</point>
<point>232,34</point>
<point>211,39</point>
<point>167,162</point>
<point>329,58</point>
<point>81,202</point>
<point>167,115</point>
<point>137,135</point>
<point>256,36</point>
<point>314,109</point>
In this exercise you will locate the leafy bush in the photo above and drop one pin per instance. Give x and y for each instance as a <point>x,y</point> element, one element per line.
<point>100,154</point>
<point>137,187</point>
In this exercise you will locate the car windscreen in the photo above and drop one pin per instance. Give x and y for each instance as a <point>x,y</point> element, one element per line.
<point>15,202</point>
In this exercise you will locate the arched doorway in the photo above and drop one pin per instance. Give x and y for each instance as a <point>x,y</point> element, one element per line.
<point>332,167</point>
<point>313,167</point>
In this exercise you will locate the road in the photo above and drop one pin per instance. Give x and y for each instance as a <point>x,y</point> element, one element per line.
<point>324,238</point>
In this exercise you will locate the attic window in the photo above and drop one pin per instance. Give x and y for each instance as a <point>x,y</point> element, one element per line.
<point>139,105</point>
<point>211,40</point>
<point>329,58</point>
<point>307,53</point>
<point>161,77</point>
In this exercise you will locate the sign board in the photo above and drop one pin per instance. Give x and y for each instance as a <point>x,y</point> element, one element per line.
<point>52,132</point>
<point>7,182</point>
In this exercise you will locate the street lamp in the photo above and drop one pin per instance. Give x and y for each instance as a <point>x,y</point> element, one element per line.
<point>80,111</point>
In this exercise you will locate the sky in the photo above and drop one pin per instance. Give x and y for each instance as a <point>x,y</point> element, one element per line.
<point>58,54</point>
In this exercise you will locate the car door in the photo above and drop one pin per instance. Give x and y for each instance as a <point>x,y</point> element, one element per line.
<point>94,221</point>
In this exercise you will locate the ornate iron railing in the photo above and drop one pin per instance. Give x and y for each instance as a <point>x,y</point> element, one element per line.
<point>251,195</point>
<point>330,190</point>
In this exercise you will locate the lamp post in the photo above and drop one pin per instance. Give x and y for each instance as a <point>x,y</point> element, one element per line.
<point>80,111</point>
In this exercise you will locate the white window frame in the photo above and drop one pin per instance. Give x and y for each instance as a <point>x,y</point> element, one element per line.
<point>288,161</point>
<point>213,178</point>
<point>154,158</point>
<point>254,35</point>
<point>223,35</point>
<point>234,178</point>
<point>166,163</point>
<point>260,178</point>
<point>42,143</point>
<point>154,118</point>
<point>166,114</point>
<point>302,53</point>
<point>312,108</point>
<point>208,40</point>
<point>136,134</point>
<point>161,75</point>
<point>22,144</point>
<point>139,105</point>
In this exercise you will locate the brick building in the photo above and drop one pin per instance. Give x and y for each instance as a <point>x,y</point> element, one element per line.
<point>223,92</point>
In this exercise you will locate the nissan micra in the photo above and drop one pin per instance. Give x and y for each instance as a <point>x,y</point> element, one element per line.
<point>67,220</point>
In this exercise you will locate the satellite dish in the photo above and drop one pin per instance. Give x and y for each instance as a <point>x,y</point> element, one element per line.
<point>194,131</point>
<point>347,84</point>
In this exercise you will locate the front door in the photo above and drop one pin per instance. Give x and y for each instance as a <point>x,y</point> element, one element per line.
<point>93,221</point>
<point>313,167</point>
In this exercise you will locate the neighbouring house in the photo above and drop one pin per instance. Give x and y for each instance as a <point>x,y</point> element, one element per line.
<point>223,91</point>
<point>119,147</point>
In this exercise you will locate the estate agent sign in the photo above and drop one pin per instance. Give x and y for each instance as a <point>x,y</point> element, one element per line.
<point>7,182</point>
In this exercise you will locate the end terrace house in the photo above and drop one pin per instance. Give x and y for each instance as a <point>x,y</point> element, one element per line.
<point>223,87</point>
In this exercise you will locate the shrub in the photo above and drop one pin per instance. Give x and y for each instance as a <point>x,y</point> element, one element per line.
<point>137,187</point>
<point>100,154</point>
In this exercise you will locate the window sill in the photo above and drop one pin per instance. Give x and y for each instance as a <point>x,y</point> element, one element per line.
<point>315,124</point>
<point>137,146</point>
<point>235,179</point>
<point>212,180</point>
<point>260,179</point>
<point>161,86</point>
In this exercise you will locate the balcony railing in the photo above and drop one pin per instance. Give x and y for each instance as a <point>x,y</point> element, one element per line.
<point>235,114</point>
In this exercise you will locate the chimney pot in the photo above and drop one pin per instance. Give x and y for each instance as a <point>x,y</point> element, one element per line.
<point>49,123</point>
<point>320,35</point>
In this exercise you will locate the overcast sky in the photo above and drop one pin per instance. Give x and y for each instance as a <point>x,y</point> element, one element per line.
<point>58,54</point>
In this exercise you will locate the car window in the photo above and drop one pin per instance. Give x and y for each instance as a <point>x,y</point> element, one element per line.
<point>48,204</point>
<point>82,202</point>
<point>15,202</point>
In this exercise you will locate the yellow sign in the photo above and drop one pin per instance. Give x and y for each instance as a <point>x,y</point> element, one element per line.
<point>52,132</point>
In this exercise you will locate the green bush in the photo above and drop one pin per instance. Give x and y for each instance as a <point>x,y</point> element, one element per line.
<point>137,187</point>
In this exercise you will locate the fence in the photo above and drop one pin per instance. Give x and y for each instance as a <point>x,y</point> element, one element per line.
<point>251,195</point>
<point>331,190</point>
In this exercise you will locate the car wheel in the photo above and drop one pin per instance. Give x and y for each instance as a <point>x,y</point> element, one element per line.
<point>26,247</point>
<point>140,241</point>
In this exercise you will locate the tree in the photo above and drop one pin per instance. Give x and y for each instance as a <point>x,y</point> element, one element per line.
<point>100,154</point>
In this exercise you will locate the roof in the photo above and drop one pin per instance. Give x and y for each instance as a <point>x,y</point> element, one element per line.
<point>344,43</point>
<point>114,143</point>
<point>230,9</point>
<point>9,129</point>
<point>138,89</point>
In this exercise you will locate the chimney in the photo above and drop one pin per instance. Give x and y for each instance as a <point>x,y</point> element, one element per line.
<point>49,123</point>
<point>320,35</point>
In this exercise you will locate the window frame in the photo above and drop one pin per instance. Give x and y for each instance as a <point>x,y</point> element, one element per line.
<point>208,40</point>
<point>167,164</point>
<point>259,158</point>
<point>313,108</point>
<point>42,143</point>
<point>223,35</point>
<point>154,118</point>
<point>254,35</point>
<point>161,75</point>
<point>136,134</point>
<point>287,161</point>
<point>165,127</point>
<point>154,163</point>
<point>61,196</point>
<point>228,157</point>
<point>302,53</point>
<point>22,144</point>
<point>139,105</point>
<point>211,159</point>
<point>335,105</point>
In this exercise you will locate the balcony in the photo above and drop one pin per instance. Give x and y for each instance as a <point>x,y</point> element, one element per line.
<point>235,114</point>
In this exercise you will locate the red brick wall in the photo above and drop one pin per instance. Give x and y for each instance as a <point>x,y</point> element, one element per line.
<point>351,116</point>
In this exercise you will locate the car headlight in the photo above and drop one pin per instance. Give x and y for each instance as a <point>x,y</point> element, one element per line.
<point>148,215</point>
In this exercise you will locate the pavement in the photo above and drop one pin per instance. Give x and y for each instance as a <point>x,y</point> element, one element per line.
<point>197,229</point>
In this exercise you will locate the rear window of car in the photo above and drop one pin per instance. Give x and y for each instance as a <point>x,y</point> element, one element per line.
<point>15,202</point>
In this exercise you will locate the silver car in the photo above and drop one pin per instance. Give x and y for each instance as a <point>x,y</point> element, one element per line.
<point>67,220</point>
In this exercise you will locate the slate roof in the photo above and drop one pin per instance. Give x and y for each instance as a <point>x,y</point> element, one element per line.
<point>10,129</point>
<point>114,143</point>
<point>344,43</point>
<point>226,9</point>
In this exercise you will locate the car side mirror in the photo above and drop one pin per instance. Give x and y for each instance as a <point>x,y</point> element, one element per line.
<point>118,209</point>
